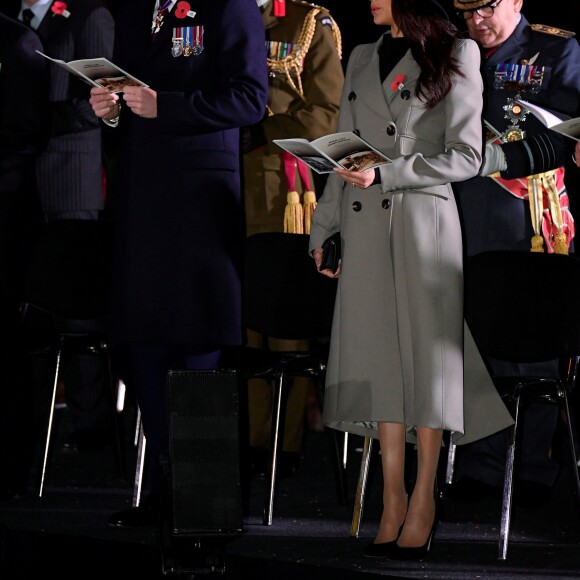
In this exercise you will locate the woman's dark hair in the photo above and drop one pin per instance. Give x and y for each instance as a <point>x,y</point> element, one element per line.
<point>431,35</point>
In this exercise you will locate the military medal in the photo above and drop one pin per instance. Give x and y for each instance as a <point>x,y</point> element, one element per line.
<point>187,50</point>
<point>526,77</point>
<point>197,40</point>
<point>516,114</point>
<point>161,12</point>
<point>177,42</point>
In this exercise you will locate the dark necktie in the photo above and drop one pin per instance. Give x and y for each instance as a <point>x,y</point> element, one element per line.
<point>27,16</point>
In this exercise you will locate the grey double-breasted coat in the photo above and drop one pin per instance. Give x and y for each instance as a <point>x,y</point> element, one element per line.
<point>397,347</point>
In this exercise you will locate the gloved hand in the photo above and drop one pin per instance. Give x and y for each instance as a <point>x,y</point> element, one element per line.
<point>494,160</point>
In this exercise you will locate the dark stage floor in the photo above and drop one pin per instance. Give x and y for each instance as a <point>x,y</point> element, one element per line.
<point>65,535</point>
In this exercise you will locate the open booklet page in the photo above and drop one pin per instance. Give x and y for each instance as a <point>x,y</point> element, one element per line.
<point>346,150</point>
<point>99,72</point>
<point>569,128</point>
<point>492,135</point>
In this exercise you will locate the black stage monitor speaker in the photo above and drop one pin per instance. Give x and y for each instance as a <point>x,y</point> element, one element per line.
<point>204,462</point>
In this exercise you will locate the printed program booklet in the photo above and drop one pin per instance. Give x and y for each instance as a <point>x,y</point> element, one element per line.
<point>99,72</point>
<point>346,150</point>
<point>492,135</point>
<point>569,128</point>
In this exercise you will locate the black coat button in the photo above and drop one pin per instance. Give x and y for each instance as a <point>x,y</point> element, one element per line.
<point>386,203</point>
<point>356,205</point>
<point>391,130</point>
<point>352,96</point>
<point>405,95</point>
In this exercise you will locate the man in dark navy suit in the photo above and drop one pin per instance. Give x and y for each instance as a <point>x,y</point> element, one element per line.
<point>179,214</point>
<point>23,134</point>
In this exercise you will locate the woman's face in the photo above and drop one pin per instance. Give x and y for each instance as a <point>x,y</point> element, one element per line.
<point>381,12</point>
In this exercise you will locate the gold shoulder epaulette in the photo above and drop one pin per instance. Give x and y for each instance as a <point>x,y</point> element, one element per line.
<point>552,30</point>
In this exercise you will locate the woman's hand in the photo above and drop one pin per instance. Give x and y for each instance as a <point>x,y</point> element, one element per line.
<point>104,103</point>
<point>317,255</point>
<point>360,179</point>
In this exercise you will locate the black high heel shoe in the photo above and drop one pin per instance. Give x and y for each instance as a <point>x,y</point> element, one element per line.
<point>417,552</point>
<point>384,549</point>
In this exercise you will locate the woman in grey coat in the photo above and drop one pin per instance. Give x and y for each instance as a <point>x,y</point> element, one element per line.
<point>399,351</point>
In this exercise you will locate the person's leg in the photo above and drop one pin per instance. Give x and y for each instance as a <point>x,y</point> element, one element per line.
<point>144,369</point>
<point>421,513</point>
<point>392,443</point>
<point>146,372</point>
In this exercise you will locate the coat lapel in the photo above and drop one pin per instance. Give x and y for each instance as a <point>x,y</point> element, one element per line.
<point>367,84</point>
<point>52,23</point>
<point>405,70</point>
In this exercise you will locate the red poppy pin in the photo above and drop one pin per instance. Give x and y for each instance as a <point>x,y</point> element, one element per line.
<point>59,9</point>
<point>399,82</point>
<point>183,9</point>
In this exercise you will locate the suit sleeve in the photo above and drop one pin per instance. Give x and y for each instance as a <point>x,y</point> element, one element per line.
<point>536,154</point>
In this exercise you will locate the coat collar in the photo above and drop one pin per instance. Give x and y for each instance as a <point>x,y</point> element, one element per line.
<point>381,95</point>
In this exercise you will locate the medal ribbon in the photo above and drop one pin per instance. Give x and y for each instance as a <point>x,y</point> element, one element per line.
<point>161,11</point>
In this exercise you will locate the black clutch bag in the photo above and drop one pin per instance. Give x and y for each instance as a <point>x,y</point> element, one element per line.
<point>331,253</point>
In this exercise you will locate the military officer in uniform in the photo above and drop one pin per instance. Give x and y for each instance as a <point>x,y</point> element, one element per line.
<point>305,83</point>
<point>539,64</point>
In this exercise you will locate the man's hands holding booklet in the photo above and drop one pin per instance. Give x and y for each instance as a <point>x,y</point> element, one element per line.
<point>141,100</point>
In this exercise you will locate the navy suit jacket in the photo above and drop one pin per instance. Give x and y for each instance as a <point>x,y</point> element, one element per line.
<point>179,214</point>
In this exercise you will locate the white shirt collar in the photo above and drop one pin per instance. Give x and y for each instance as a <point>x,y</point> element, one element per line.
<point>39,9</point>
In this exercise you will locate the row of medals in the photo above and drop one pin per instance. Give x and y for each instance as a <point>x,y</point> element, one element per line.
<point>188,49</point>
<point>179,47</point>
<point>520,81</point>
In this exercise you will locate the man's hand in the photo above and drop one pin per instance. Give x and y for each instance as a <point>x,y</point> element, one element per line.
<point>104,103</point>
<point>142,101</point>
